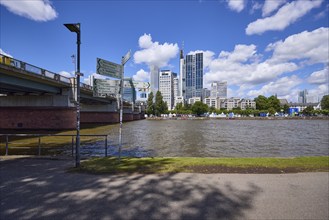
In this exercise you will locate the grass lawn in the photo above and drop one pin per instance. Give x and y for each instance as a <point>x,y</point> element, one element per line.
<point>205,165</point>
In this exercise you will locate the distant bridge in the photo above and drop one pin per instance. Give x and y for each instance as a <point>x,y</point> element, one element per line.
<point>35,98</point>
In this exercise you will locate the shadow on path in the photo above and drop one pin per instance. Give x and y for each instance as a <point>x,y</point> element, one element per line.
<point>43,189</point>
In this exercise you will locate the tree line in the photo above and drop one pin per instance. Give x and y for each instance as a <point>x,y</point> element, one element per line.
<point>156,106</point>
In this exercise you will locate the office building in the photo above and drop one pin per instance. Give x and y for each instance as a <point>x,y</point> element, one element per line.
<point>154,75</point>
<point>302,96</point>
<point>219,90</point>
<point>205,93</point>
<point>182,75</point>
<point>129,92</point>
<point>166,87</point>
<point>194,75</point>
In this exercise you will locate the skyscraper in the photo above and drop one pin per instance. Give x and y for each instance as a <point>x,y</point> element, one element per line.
<point>182,75</point>
<point>302,96</point>
<point>166,87</point>
<point>194,75</point>
<point>154,72</point>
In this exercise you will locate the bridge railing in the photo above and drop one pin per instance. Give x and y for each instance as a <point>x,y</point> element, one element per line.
<point>37,70</point>
<point>39,146</point>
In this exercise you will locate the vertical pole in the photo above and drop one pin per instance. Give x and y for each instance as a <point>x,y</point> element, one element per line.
<point>72,145</point>
<point>121,112</point>
<point>6,145</point>
<point>39,146</point>
<point>77,151</point>
<point>106,146</point>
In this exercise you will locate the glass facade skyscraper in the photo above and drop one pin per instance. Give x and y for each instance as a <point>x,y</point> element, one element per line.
<point>194,75</point>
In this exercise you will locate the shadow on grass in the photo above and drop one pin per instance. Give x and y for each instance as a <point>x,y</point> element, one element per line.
<point>43,189</point>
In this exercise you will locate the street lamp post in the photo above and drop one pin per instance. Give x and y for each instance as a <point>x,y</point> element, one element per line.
<point>76,28</point>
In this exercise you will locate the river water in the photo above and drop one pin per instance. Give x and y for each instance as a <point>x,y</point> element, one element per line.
<point>218,138</point>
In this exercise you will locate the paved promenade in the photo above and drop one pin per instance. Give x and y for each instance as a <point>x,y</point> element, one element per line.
<point>43,189</point>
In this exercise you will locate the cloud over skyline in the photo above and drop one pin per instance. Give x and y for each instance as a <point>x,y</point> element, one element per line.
<point>37,10</point>
<point>286,15</point>
<point>154,53</point>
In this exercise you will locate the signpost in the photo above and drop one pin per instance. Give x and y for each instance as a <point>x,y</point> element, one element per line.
<point>108,68</point>
<point>124,60</point>
<point>104,87</point>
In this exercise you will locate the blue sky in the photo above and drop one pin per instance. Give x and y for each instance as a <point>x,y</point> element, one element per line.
<point>259,47</point>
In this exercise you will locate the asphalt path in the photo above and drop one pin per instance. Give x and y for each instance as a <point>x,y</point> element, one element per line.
<point>44,189</point>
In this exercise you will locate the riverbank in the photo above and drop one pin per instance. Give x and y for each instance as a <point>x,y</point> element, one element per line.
<point>204,165</point>
<point>240,118</point>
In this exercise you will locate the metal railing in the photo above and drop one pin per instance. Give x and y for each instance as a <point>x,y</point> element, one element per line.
<point>39,136</point>
<point>29,68</point>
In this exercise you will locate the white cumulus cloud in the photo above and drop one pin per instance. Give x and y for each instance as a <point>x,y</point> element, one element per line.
<point>4,53</point>
<point>142,76</point>
<point>242,66</point>
<point>319,77</point>
<point>287,15</point>
<point>270,6</point>
<point>282,87</point>
<point>311,47</point>
<point>154,53</point>
<point>236,5</point>
<point>37,10</point>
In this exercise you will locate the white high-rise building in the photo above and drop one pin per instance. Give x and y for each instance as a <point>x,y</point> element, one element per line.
<point>166,87</point>
<point>182,75</point>
<point>219,90</point>
<point>176,90</point>
<point>154,72</point>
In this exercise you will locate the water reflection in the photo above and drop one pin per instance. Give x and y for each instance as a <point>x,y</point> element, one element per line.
<point>220,138</point>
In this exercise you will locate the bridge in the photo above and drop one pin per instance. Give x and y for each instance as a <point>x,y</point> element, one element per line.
<point>35,98</point>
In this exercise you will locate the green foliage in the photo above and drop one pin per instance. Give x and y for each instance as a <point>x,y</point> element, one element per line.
<point>309,110</point>
<point>199,108</point>
<point>325,102</point>
<point>263,103</point>
<point>160,106</point>
<point>271,110</point>
<point>274,102</point>
<point>150,110</point>
<point>286,108</point>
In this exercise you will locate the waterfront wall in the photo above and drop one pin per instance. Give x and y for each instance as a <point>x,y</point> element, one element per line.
<point>52,118</point>
<point>23,118</point>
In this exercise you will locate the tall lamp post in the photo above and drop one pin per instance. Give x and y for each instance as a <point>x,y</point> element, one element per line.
<point>76,28</point>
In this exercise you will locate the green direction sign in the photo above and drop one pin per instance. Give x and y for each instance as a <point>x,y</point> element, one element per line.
<point>104,87</point>
<point>108,68</point>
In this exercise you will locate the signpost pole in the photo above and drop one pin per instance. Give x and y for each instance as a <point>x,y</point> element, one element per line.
<point>123,61</point>
<point>121,112</point>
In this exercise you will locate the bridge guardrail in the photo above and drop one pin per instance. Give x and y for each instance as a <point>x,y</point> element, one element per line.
<point>9,61</point>
<point>39,136</point>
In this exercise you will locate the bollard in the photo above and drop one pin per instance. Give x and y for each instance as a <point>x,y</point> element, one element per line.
<point>39,146</point>
<point>6,145</point>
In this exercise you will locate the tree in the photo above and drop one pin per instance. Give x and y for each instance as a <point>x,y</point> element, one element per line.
<point>160,106</point>
<point>325,102</point>
<point>274,102</point>
<point>286,108</point>
<point>308,110</point>
<point>271,110</point>
<point>261,103</point>
<point>150,106</point>
<point>199,108</point>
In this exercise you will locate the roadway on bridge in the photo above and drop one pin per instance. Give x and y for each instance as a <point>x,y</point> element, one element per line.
<point>44,189</point>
